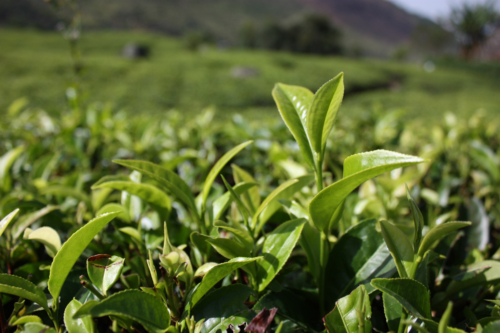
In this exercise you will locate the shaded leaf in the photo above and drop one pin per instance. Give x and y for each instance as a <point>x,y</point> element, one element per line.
<point>412,295</point>
<point>223,302</point>
<point>15,285</point>
<point>438,233</point>
<point>6,220</point>
<point>261,321</point>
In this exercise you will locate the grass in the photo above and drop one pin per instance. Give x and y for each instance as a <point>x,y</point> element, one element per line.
<point>37,65</point>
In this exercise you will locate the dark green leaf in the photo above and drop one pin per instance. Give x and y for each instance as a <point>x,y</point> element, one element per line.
<point>15,285</point>
<point>223,302</point>
<point>412,295</point>
<point>358,256</point>
<point>418,220</point>
<point>392,311</point>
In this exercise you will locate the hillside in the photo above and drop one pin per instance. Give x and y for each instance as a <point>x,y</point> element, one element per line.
<point>364,22</point>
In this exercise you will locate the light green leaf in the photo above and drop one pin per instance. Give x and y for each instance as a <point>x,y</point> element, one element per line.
<point>147,310</point>
<point>439,232</point>
<point>357,169</point>
<point>400,248</point>
<point>487,272</point>
<point>15,285</point>
<point>47,236</point>
<point>77,325</point>
<point>115,207</point>
<point>277,249</point>
<point>216,274</point>
<point>216,169</point>
<point>166,178</point>
<point>24,320</point>
<point>493,327</point>
<point>293,103</point>
<point>252,197</point>
<point>418,220</point>
<point>72,249</point>
<point>351,314</point>
<point>28,219</point>
<point>6,162</point>
<point>146,192</point>
<point>411,294</point>
<point>6,220</point>
<point>228,248</point>
<point>132,232</point>
<point>323,111</point>
<point>445,319</point>
<point>222,203</point>
<point>104,270</point>
<point>37,328</point>
<point>242,235</point>
<point>66,191</point>
<point>273,195</point>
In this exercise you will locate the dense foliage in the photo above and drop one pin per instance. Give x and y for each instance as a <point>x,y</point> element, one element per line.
<point>113,223</point>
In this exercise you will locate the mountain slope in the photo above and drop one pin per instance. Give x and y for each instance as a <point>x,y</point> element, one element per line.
<point>364,21</point>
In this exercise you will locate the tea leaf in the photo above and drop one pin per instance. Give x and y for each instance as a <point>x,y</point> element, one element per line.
<point>351,314</point>
<point>216,274</point>
<point>418,220</point>
<point>356,258</point>
<point>322,113</point>
<point>222,203</point>
<point>28,219</point>
<point>170,180</point>
<point>400,248</point>
<point>104,270</point>
<point>146,192</point>
<point>438,233</point>
<point>293,103</point>
<point>6,162</point>
<point>412,295</point>
<point>252,197</point>
<point>47,236</point>
<point>216,169</point>
<point>277,249</point>
<point>77,325</point>
<point>223,302</point>
<point>147,310</point>
<point>7,220</point>
<point>72,249</point>
<point>15,285</point>
<point>392,311</point>
<point>357,169</point>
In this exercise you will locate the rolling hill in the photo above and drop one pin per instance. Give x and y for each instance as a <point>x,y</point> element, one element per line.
<point>376,25</point>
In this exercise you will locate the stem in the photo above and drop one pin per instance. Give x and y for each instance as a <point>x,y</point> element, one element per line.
<point>323,259</point>
<point>88,285</point>
<point>402,326</point>
<point>319,175</point>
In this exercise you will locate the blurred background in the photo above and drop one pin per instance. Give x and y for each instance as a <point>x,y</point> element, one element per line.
<point>149,56</point>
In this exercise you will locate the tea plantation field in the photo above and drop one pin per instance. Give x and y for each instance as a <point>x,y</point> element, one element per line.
<point>37,65</point>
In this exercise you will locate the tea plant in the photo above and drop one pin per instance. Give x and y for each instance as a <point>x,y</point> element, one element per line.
<point>207,250</point>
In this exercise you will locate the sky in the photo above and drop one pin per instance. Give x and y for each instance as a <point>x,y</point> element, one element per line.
<point>434,9</point>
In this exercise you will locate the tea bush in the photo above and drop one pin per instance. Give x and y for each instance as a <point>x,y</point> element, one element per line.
<point>111,223</point>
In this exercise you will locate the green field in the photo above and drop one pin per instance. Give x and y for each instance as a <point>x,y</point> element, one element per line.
<point>37,65</point>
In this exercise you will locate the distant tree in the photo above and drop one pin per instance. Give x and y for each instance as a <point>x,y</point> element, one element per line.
<point>433,39</point>
<point>248,35</point>
<point>312,33</point>
<point>473,23</point>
